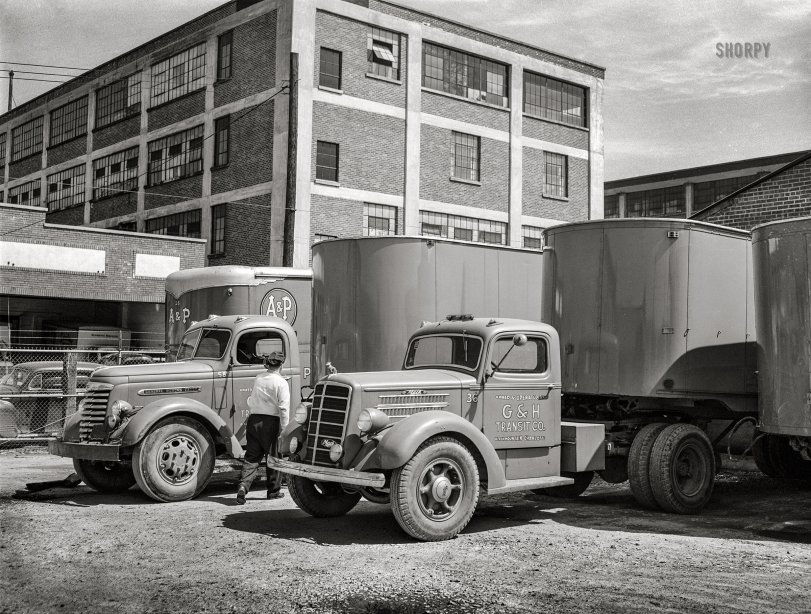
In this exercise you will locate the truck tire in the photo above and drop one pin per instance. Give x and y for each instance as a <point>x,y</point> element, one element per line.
<point>639,464</point>
<point>582,480</point>
<point>434,495</point>
<point>787,462</point>
<point>682,469</point>
<point>761,455</point>
<point>616,470</point>
<point>175,460</point>
<point>321,499</point>
<point>105,477</point>
<point>374,495</point>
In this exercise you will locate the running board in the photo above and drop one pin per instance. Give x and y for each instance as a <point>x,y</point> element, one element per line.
<point>530,484</point>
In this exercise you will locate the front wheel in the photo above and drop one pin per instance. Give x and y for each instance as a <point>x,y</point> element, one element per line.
<point>321,499</point>
<point>106,477</point>
<point>174,462</point>
<point>682,469</point>
<point>434,495</point>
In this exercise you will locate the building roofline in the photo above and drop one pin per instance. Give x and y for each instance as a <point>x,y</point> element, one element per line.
<point>489,33</point>
<point>89,75</point>
<point>718,204</point>
<point>704,170</point>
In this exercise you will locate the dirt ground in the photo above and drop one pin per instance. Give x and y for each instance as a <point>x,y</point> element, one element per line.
<point>73,550</point>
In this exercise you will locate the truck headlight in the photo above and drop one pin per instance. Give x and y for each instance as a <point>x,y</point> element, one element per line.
<point>301,414</point>
<point>371,420</point>
<point>118,408</point>
<point>336,451</point>
<point>293,446</point>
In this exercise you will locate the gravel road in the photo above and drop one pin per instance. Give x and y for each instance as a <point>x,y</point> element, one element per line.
<point>71,550</point>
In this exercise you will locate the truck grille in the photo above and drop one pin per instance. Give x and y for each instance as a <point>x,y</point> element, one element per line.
<point>327,422</point>
<point>94,410</point>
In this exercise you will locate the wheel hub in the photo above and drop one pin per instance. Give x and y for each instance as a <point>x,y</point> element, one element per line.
<point>178,459</point>
<point>440,489</point>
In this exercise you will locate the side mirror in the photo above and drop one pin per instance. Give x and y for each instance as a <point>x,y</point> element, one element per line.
<point>520,339</point>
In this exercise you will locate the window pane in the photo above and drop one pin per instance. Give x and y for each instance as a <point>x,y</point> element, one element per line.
<point>178,75</point>
<point>330,68</point>
<point>66,189</point>
<point>379,220</point>
<point>461,74</point>
<point>555,175</point>
<point>224,47</point>
<point>465,156</point>
<point>124,179</point>
<point>552,99</point>
<point>118,100</point>
<point>383,53</point>
<point>69,121</point>
<point>186,224</point>
<point>175,156</point>
<point>326,161</point>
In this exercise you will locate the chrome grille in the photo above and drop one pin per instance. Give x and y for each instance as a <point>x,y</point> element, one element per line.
<point>94,410</point>
<point>403,405</point>
<point>327,421</point>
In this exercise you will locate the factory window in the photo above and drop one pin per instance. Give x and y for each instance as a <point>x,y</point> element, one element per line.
<point>218,230</point>
<point>224,47</point>
<point>383,53</point>
<point>466,153</point>
<point>186,224</point>
<point>662,202</point>
<point>555,175</point>
<point>555,100</point>
<point>26,139</point>
<point>176,156</point>
<point>463,228</point>
<point>118,100</point>
<point>66,189</point>
<point>178,75</point>
<point>461,74</point>
<point>532,237</point>
<point>69,121</point>
<point>222,141</point>
<point>379,220</point>
<point>28,194</point>
<point>329,71</point>
<point>611,206</point>
<point>115,174</point>
<point>326,161</point>
<point>707,192</point>
<point>2,150</point>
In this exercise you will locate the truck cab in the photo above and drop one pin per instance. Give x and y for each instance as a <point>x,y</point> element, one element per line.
<point>475,408</point>
<point>162,425</point>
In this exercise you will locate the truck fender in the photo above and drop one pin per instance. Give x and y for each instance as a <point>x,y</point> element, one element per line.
<point>140,424</point>
<point>400,442</point>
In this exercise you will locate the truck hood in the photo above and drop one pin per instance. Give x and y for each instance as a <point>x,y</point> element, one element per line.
<point>401,380</point>
<point>159,370</point>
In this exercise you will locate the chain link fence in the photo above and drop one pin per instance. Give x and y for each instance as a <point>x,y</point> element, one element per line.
<point>42,383</point>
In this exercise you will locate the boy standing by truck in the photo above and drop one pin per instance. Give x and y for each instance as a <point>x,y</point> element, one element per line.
<point>269,406</point>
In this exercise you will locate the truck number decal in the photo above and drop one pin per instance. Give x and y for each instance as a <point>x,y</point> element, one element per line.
<point>472,397</point>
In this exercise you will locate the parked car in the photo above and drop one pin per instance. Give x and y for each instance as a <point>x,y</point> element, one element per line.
<point>44,381</point>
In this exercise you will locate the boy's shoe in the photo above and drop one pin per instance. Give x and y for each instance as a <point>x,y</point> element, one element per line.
<point>241,496</point>
<point>275,495</point>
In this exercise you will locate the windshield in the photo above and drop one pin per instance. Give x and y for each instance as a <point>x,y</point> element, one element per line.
<point>204,343</point>
<point>443,351</point>
<point>17,377</point>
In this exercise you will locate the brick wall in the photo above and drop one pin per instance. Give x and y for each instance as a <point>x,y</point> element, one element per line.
<point>67,151</point>
<point>784,196</point>
<point>251,154</point>
<point>114,133</point>
<point>113,206</point>
<point>555,133</point>
<point>72,216</point>
<point>336,217</point>
<point>436,168</point>
<point>483,37</point>
<point>247,233</point>
<point>350,38</point>
<point>466,111</point>
<point>24,167</point>
<point>575,208</point>
<point>253,57</point>
<point>174,192</point>
<point>371,147</point>
<point>176,110</point>
<point>118,282</point>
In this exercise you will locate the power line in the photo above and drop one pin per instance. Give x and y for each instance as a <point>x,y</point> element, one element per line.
<point>43,65</point>
<point>34,72</point>
<point>32,79</point>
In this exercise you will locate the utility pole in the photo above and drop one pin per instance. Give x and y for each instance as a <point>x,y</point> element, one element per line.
<point>292,138</point>
<point>10,87</point>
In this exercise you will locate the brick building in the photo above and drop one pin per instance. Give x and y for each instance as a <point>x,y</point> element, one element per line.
<point>51,274</point>
<point>782,194</point>
<point>399,122</point>
<point>683,192</point>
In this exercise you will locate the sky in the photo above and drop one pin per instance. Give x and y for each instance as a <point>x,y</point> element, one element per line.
<point>669,101</point>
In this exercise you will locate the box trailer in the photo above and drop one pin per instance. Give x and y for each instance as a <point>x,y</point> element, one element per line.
<point>782,273</point>
<point>195,294</point>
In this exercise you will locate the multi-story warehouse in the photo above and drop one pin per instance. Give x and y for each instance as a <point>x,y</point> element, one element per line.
<point>394,122</point>
<point>682,193</point>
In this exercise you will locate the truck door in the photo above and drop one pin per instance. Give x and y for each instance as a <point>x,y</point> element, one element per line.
<point>522,405</point>
<point>249,350</point>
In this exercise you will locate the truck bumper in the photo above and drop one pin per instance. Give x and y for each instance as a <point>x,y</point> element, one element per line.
<point>328,474</point>
<point>84,451</point>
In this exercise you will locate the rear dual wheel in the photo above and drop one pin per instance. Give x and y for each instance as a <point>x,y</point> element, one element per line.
<point>775,457</point>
